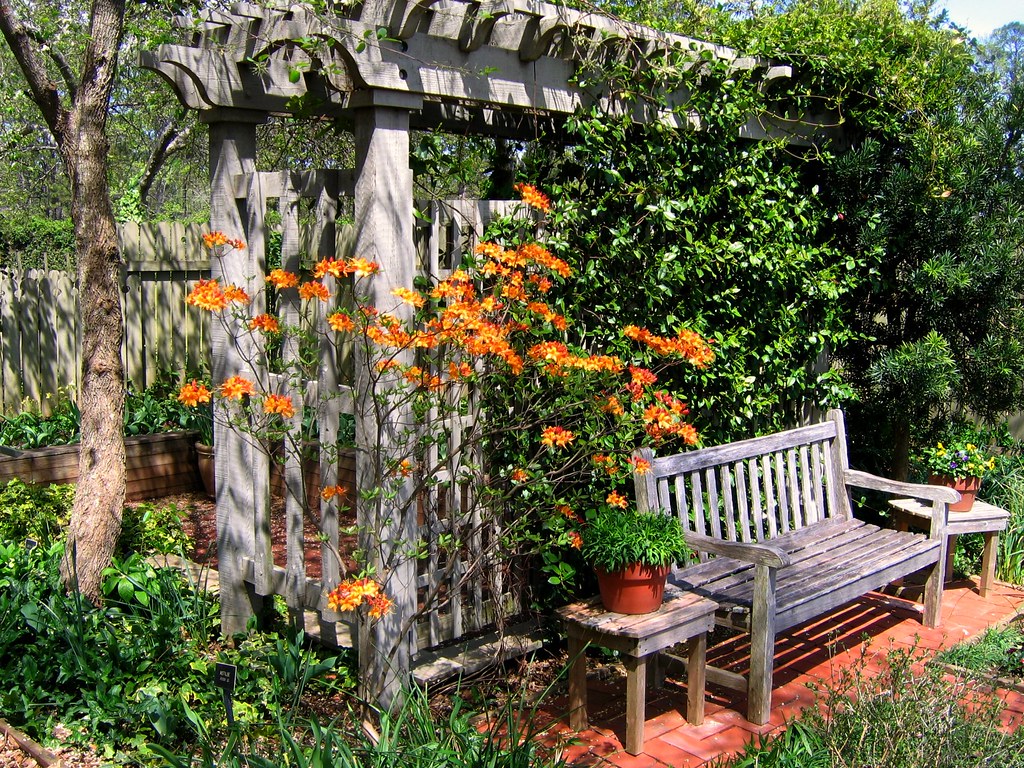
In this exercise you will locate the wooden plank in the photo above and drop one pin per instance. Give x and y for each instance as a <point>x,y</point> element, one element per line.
<point>10,344</point>
<point>754,474</point>
<point>727,508</point>
<point>690,461</point>
<point>30,311</point>
<point>696,673</point>
<point>742,501</point>
<point>636,702</point>
<point>808,504</point>
<point>714,509</point>
<point>769,494</point>
<point>780,492</point>
<point>793,489</point>
<point>577,683</point>
<point>818,482</point>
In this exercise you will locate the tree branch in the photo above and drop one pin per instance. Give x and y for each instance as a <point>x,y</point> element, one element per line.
<point>44,90</point>
<point>170,140</point>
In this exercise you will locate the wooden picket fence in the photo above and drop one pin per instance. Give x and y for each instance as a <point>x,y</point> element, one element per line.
<point>39,326</point>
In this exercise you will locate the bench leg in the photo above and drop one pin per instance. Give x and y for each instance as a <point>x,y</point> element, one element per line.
<point>696,671</point>
<point>988,562</point>
<point>933,587</point>
<point>636,702</point>
<point>762,646</point>
<point>577,684</point>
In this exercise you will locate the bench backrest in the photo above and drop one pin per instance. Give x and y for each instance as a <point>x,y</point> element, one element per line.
<point>754,489</point>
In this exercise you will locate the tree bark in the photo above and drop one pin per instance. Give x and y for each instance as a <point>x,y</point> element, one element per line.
<point>80,133</point>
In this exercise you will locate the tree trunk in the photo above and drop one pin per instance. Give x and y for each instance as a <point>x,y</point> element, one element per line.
<point>900,450</point>
<point>99,496</point>
<point>80,132</point>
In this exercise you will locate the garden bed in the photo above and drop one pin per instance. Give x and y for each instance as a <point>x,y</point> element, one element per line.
<point>157,465</point>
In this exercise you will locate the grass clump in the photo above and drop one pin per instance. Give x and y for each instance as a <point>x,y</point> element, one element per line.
<point>909,716</point>
<point>999,650</point>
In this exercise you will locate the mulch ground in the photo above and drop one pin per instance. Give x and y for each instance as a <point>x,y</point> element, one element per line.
<point>200,523</point>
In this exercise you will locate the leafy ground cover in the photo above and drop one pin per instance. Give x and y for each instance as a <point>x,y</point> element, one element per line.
<point>913,715</point>
<point>998,653</point>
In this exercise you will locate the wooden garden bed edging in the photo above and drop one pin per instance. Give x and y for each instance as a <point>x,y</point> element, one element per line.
<point>44,757</point>
<point>157,465</point>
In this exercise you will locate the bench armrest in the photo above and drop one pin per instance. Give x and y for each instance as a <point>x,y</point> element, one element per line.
<point>914,490</point>
<point>758,554</point>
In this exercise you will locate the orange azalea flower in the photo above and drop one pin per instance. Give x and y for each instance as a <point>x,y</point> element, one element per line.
<point>208,295</point>
<point>556,437</point>
<point>613,406</point>
<point>330,491</point>
<point>490,250</point>
<point>332,267</point>
<point>532,252</point>
<point>265,323</point>
<point>686,344</point>
<point>406,468</point>
<point>214,239</point>
<point>314,289</point>
<point>459,371</point>
<point>281,404</point>
<point>193,393</point>
<point>379,604</point>
<point>341,322</point>
<point>575,540</point>
<point>363,267</point>
<point>616,499</point>
<point>565,510</point>
<point>409,297</point>
<point>236,294</point>
<point>236,388</point>
<point>281,279</point>
<point>520,475</point>
<point>640,466</point>
<point>533,197</point>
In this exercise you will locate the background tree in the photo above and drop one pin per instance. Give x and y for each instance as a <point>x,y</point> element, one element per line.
<point>75,109</point>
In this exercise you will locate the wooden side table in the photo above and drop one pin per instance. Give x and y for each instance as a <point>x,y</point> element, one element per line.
<point>683,617</point>
<point>982,518</point>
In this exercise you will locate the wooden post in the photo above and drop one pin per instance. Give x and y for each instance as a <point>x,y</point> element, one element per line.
<point>762,646</point>
<point>242,469</point>
<point>387,525</point>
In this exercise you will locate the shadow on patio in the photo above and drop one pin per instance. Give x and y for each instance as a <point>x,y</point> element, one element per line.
<point>810,652</point>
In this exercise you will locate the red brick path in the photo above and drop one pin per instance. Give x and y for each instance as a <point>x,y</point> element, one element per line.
<point>811,652</point>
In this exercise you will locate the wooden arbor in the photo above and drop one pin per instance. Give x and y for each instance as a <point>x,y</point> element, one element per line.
<point>500,68</point>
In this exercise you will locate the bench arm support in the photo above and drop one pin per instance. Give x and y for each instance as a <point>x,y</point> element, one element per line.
<point>939,495</point>
<point>914,490</point>
<point>758,554</point>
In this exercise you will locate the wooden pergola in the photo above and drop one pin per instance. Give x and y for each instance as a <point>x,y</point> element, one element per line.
<point>501,68</point>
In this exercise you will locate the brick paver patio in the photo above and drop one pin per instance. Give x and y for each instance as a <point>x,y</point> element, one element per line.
<point>810,652</point>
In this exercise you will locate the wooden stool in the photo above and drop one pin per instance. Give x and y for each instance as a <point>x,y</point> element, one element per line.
<point>982,518</point>
<point>683,617</point>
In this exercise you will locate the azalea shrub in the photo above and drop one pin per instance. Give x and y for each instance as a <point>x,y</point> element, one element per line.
<point>476,390</point>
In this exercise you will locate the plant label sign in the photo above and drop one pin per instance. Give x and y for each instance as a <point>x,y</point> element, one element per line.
<point>224,677</point>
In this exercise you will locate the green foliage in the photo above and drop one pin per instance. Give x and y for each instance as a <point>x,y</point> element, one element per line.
<point>37,512</point>
<point>155,409</point>
<point>42,513</point>
<point>34,242</point>
<point>30,429</point>
<point>614,538</point>
<point>1005,489</point>
<point>413,734</point>
<point>138,670</point>
<point>673,227</point>
<point>997,651</point>
<point>907,716</point>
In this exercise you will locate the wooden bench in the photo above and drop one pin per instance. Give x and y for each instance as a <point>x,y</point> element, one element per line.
<point>683,617</point>
<point>777,543</point>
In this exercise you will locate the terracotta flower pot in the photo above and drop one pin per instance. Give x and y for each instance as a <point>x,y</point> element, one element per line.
<point>967,486</point>
<point>204,458</point>
<point>635,589</point>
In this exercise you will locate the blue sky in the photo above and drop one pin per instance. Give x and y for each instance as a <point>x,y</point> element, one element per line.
<point>983,16</point>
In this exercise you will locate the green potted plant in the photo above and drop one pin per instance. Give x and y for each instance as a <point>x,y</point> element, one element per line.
<point>959,464</point>
<point>632,553</point>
